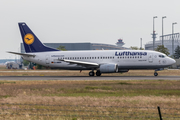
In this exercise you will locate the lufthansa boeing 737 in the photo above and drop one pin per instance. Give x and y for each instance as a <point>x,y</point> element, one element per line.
<point>101,61</point>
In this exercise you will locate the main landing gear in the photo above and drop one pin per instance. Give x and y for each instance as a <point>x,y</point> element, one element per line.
<point>98,73</point>
<point>91,73</point>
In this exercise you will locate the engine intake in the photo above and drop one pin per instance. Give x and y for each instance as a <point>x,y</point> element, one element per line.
<point>108,68</point>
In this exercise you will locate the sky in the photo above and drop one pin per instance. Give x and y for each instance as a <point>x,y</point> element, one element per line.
<point>77,21</point>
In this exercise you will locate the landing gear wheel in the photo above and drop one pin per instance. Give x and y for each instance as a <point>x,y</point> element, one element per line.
<point>98,73</point>
<point>155,74</point>
<point>91,73</point>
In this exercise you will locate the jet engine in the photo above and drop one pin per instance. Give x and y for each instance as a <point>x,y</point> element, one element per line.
<point>108,68</point>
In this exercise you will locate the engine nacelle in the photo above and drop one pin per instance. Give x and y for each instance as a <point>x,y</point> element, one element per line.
<point>108,68</point>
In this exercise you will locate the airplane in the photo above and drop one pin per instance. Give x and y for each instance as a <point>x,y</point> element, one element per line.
<point>101,61</point>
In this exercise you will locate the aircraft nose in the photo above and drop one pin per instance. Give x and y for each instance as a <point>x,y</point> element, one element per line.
<point>172,61</point>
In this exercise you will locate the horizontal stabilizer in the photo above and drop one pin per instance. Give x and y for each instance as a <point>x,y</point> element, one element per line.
<point>23,54</point>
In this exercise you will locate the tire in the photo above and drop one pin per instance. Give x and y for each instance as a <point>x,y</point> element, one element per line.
<point>155,74</point>
<point>98,73</point>
<point>91,73</point>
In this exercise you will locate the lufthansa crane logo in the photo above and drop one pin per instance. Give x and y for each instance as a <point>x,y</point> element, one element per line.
<point>29,39</point>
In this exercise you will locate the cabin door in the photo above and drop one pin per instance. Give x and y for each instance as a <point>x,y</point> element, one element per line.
<point>150,58</point>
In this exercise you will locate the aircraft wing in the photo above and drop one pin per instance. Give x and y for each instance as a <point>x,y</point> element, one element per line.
<point>85,64</point>
<point>23,54</point>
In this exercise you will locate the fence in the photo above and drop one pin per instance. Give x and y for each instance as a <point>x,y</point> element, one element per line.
<point>87,111</point>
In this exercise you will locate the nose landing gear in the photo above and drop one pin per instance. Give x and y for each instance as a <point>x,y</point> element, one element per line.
<point>155,73</point>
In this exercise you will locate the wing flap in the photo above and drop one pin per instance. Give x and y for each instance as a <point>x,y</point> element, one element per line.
<point>85,64</point>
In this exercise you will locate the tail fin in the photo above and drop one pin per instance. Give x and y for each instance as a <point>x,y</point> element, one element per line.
<point>31,42</point>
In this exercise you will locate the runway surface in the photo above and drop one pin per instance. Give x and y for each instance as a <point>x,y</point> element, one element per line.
<point>89,78</point>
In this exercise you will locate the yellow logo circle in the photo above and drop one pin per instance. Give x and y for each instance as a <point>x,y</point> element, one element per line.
<point>29,39</point>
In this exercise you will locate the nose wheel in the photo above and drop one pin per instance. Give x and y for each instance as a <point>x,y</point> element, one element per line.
<point>91,73</point>
<point>155,74</point>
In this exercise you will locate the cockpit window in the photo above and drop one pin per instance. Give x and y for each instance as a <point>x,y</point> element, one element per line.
<point>161,56</point>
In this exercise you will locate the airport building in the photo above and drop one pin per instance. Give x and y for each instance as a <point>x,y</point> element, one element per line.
<point>84,46</point>
<point>167,42</point>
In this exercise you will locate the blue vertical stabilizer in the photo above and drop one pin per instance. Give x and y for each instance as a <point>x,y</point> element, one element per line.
<point>31,42</point>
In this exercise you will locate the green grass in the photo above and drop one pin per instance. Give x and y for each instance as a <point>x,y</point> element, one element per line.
<point>4,96</point>
<point>119,89</point>
<point>98,87</point>
<point>7,82</point>
<point>118,93</point>
<point>78,95</point>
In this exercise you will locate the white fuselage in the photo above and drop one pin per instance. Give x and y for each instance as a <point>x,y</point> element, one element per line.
<point>125,59</point>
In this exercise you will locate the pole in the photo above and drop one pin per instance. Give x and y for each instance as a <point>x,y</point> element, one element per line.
<point>154,33</point>
<point>173,37</point>
<point>159,111</point>
<point>141,44</point>
<point>162,32</point>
